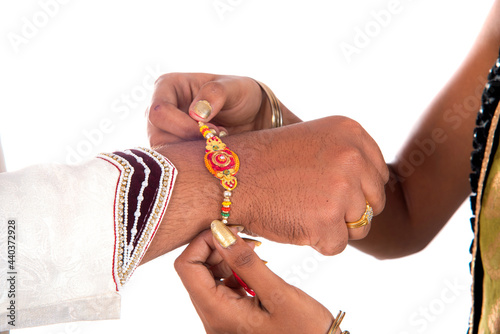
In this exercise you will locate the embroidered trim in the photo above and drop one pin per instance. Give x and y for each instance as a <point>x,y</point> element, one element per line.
<point>484,143</point>
<point>142,194</point>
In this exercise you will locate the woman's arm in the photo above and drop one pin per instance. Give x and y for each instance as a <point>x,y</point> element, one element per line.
<point>429,179</point>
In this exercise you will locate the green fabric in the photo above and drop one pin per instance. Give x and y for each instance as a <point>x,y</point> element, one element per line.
<point>489,243</point>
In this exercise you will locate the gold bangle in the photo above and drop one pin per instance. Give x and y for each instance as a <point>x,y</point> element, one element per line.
<point>336,323</point>
<point>276,114</point>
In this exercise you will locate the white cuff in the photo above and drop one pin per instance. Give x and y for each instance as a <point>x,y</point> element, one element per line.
<point>68,239</point>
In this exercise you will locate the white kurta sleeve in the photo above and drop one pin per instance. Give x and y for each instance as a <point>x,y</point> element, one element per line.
<point>71,236</point>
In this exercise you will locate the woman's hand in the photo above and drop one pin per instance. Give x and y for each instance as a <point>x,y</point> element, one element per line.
<point>205,268</point>
<point>235,104</point>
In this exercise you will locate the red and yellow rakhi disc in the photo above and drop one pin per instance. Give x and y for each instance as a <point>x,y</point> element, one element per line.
<point>219,160</point>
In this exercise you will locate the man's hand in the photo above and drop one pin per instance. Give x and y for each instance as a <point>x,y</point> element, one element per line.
<point>298,184</point>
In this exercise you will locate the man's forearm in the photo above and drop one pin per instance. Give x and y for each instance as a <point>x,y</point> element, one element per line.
<point>197,195</point>
<point>194,201</point>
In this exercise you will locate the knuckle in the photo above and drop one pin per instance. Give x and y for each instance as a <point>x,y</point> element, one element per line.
<point>214,88</point>
<point>379,204</point>
<point>385,174</point>
<point>155,113</point>
<point>381,193</point>
<point>179,264</point>
<point>245,259</point>
<point>377,196</point>
<point>352,126</point>
<point>333,240</point>
<point>352,156</point>
<point>167,77</point>
<point>333,248</point>
<point>343,185</point>
<point>346,123</point>
<point>160,79</point>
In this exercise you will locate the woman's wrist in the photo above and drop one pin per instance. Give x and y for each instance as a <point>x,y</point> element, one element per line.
<point>268,113</point>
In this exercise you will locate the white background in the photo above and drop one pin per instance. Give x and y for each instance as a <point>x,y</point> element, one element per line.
<point>89,66</point>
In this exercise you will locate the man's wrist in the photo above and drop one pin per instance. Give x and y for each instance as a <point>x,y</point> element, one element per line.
<point>194,201</point>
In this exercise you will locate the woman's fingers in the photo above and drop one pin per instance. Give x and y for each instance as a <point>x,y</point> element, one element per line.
<point>208,102</point>
<point>238,97</point>
<point>219,267</point>
<point>199,266</point>
<point>224,307</point>
<point>245,263</point>
<point>180,100</point>
<point>191,268</point>
<point>169,119</point>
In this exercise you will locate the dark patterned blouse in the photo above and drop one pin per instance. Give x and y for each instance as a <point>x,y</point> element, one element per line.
<point>485,204</point>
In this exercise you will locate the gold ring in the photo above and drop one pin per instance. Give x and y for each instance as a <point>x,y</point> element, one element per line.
<point>364,220</point>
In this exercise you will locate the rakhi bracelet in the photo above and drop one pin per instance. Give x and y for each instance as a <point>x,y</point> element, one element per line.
<point>222,163</point>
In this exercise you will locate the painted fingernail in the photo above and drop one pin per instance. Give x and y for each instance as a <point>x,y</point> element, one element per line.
<point>256,242</point>
<point>238,228</point>
<point>222,134</point>
<point>222,233</point>
<point>203,109</point>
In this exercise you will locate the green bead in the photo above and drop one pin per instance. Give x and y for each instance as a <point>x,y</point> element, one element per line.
<point>225,214</point>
